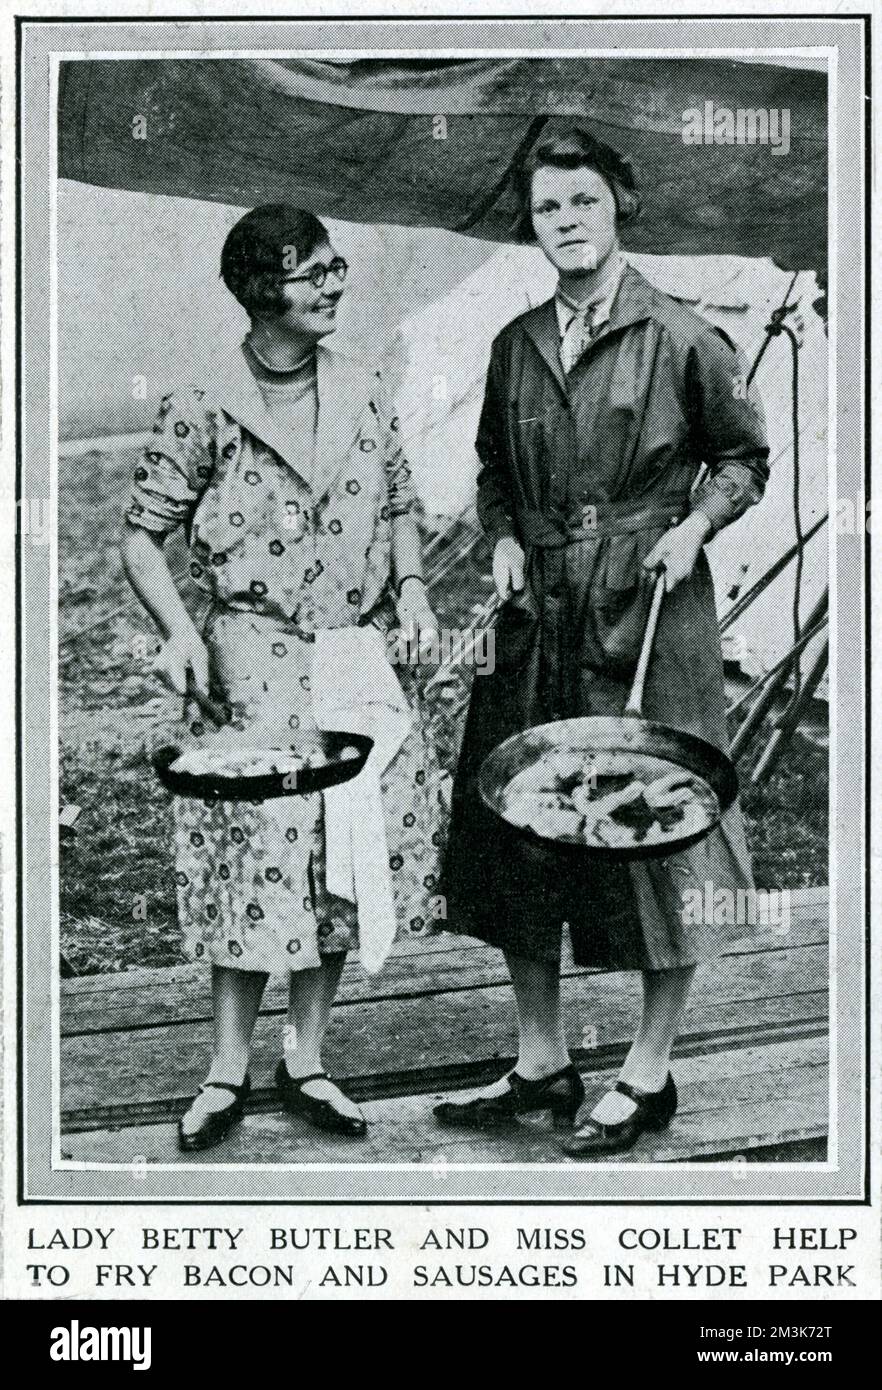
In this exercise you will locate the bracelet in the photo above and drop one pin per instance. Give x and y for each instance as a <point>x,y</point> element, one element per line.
<point>403,580</point>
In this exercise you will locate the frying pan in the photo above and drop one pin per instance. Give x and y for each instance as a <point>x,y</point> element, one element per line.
<point>629,734</point>
<point>264,786</point>
<point>213,786</point>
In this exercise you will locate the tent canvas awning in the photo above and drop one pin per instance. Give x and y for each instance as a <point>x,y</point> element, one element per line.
<point>360,141</point>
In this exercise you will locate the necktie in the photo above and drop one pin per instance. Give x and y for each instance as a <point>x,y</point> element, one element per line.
<point>577,336</point>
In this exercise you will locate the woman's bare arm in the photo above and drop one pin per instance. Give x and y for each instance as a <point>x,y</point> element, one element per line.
<point>413,606</point>
<point>146,569</point>
<point>407,550</point>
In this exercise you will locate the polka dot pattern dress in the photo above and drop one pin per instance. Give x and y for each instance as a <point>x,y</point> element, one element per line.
<point>281,557</point>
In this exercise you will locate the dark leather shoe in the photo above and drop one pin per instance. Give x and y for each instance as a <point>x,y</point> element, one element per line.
<point>216,1125</point>
<point>562,1093</point>
<point>321,1113</point>
<point>653,1110</point>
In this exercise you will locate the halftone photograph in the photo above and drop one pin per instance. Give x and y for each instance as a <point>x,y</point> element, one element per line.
<point>445,616</point>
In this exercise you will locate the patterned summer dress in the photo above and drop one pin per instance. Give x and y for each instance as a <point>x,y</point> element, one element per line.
<point>287,490</point>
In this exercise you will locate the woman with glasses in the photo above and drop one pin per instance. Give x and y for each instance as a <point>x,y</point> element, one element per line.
<point>287,472</point>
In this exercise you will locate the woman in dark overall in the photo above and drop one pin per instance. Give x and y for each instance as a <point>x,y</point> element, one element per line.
<point>617,435</point>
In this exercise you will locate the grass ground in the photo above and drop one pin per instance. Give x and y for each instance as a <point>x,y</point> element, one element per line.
<point>117,894</point>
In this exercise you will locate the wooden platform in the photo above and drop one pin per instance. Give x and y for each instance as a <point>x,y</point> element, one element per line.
<point>751,1067</point>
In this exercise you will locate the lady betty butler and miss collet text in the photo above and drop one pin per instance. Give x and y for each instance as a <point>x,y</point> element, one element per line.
<point>221,1238</point>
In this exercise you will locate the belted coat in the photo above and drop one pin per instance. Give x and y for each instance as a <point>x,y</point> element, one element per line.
<point>587,470</point>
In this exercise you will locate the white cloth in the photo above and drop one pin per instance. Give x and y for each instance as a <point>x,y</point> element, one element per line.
<point>355,690</point>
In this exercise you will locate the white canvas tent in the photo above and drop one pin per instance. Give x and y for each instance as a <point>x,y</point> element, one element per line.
<point>445,349</point>
<point>358,141</point>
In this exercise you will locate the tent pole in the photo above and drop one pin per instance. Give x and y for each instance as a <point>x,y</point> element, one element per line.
<point>766,697</point>
<point>765,580</point>
<point>785,729</point>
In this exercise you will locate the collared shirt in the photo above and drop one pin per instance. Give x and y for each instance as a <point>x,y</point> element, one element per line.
<point>579,322</point>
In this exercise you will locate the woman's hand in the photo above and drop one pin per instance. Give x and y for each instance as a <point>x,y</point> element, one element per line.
<point>145,565</point>
<point>414,612</point>
<point>508,567</point>
<point>183,651</point>
<point>677,551</point>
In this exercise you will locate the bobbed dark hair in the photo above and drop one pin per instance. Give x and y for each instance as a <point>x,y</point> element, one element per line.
<point>257,254</point>
<point>576,149</point>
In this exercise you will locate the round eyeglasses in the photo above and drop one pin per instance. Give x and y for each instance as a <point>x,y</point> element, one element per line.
<point>319,274</point>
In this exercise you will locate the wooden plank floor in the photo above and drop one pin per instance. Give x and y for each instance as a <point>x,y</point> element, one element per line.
<point>751,1069</point>
<point>731,1101</point>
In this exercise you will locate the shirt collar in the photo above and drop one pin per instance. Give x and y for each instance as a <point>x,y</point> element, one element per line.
<point>601,307</point>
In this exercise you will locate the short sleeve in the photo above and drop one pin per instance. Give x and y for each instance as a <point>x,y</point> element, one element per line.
<point>399,477</point>
<point>175,467</point>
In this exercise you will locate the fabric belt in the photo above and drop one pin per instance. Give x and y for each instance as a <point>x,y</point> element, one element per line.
<point>600,520</point>
<point>273,615</point>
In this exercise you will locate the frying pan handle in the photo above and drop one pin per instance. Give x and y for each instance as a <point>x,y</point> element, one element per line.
<point>220,714</point>
<point>634,706</point>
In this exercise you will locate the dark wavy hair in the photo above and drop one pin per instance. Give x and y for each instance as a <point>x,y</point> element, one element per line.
<point>577,149</point>
<point>256,255</point>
